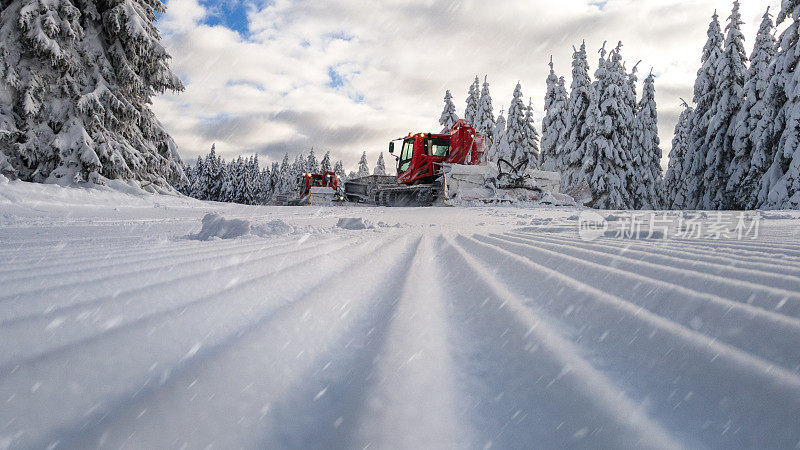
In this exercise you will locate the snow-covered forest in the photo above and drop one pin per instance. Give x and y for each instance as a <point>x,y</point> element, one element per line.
<point>736,147</point>
<point>242,180</point>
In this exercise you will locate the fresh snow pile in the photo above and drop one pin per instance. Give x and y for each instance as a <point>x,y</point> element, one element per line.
<point>217,227</point>
<point>353,223</point>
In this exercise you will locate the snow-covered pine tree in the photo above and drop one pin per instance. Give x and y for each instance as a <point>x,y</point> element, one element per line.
<point>297,170</point>
<point>363,167</point>
<point>485,118</point>
<point>645,145</point>
<point>211,180</point>
<point>515,152</point>
<point>705,95</point>
<point>728,100</point>
<point>275,179</point>
<point>253,181</point>
<point>77,79</point>
<point>196,190</point>
<point>325,165</point>
<point>531,138</point>
<point>607,163</point>
<point>227,192</point>
<point>264,186</point>
<point>285,182</point>
<point>449,116</point>
<point>674,185</point>
<point>635,169</point>
<point>473,98</point>
<point>338,168</point>
<point>580,99</point>
<point>753,137</point>
<point>749,160</point>
<point>380,166</point>
<point>554,124</point>
<point>499,142</point>
<point>780,185</point>
<point>311,162</point>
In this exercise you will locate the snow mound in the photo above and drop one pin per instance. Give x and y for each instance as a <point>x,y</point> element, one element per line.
<point>275,227</point>
<point>353,223</point>
<point>216,226</point>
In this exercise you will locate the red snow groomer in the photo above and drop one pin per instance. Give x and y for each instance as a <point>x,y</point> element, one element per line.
<point>317,189</point>
<point>449,166</point>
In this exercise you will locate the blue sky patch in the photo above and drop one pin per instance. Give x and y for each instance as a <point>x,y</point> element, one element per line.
<point>228,13</point>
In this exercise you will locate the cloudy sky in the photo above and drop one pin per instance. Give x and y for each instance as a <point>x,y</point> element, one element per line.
<point>347,76</point>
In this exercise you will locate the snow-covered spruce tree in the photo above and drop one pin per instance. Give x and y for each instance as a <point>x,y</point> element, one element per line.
<point>635,169</point>
<point>580,98</point>
<point>531,138</point>
<point>311,162</point>
<point>211,181</point>
<point>325,165</point>
<point>516,150</point>
<point>275,179</point>
<point>338,168</point>
<point>484,123</point>
<point>227,192</point>
<point>473,98</point>
<point>705,95</point>
<point>554,124</point>
<point>380,166</point>
<point>363,167</point>
<point>747,168</point>
<point>297,169</point>
<point>647,192</point>
<point>77,78</point>
<point>253,180</point>
<point>607,163</point>
<point>285,184</point>
<point>499,143</point>
<point>752,155</point>
<point>196,190</point>
<point>729,95</point>
<point>674,185</point>
<point>449,116</point>
<point>781,183</point>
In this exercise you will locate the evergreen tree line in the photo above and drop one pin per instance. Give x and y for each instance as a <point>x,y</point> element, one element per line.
<point>514,139</point>
<point>599,135</point>
<point>243,181</point>
<point>738,147</point>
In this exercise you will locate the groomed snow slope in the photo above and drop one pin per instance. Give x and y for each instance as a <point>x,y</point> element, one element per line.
<point>430,328</point>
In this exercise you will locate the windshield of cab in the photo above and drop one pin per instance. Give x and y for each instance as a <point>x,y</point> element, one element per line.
<point>406,154</point>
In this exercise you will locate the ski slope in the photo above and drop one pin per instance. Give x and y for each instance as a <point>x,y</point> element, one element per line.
<point>435,328</point>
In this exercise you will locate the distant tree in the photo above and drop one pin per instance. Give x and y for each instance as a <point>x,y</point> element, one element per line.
<point>363,167</point>
<point>646,148</point>
<point>531,138</point>
<point>473,98</point>
<point>485,116</point>
<point>311,162</point>
<point>448,117</point>
<point>380,167</point>
<point>325,165</point>
<point>580,99</point>
<point>554,125</point>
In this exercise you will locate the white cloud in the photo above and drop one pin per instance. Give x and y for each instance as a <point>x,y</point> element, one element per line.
<point>271,92</point>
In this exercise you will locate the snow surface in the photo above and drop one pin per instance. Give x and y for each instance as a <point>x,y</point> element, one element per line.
<point>455,328</point>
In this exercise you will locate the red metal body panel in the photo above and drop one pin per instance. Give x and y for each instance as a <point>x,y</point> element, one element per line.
<point>465,147</point>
